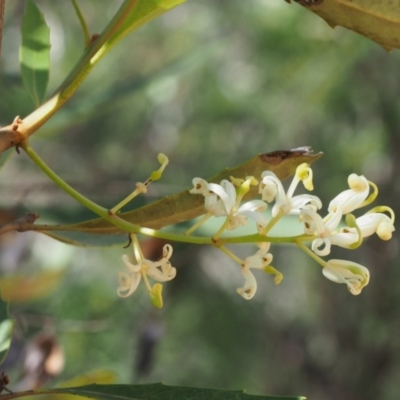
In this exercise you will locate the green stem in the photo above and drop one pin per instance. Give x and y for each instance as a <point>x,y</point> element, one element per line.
<point>124,202</point>
<point>318,259</point>
<point>272,223</point>
<point>83,23</point>
<point>234,257</point>
<point>101,211</point>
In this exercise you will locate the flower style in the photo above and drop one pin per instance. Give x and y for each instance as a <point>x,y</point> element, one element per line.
<point>271,189</point>
<point>260,260</point>
<point>354,275</point>
<point>160,271</point>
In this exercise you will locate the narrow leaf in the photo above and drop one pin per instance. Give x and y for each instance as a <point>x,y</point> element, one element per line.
<point>154,391</point>
<point>6,328</point>
<point>184,206</point>
<point>34,54</point>
<point>377,20</point>
<point>139,12</point>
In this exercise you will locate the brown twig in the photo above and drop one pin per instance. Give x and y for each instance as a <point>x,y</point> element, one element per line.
<point>20,223</point>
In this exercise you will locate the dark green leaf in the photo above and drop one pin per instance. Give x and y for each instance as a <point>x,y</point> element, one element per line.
<point>35,52</point>
<point>154,391</point>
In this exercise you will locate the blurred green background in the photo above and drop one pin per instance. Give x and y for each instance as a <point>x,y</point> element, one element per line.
<point>211,84</point>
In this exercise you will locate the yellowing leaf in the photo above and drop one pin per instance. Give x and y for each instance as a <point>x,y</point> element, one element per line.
<point>99,376</point>
<point>377,20</point>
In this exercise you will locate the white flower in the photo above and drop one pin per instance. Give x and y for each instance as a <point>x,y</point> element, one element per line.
<point>346,237</point>
<point>352,198</point>
<point>354,275</point>
<point>228,204</point>
<point>368,224</point>
<point>160,271</point>
<point>271,189</point>
<point>323,229</point>
<point>260,260</point>
<point>378,223</point>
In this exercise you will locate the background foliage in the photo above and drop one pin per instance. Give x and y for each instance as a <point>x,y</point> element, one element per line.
<point>210,83</point>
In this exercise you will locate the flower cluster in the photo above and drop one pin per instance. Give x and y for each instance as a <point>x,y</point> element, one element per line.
<point>224,200</point>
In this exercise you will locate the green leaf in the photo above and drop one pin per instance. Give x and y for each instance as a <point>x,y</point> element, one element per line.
<point>6,327</point>
<point>139,12</point>
<point>184,206</point>
<point>154,391</point>
<point>34,54</point>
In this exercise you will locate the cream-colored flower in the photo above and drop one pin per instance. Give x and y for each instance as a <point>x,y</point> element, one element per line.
<point>271,189</point>
<point>354,275</point>
<point>260,260</point>
<point>323,229</point>
<point>223,201</point>
<point>353,198</point>
<point>160,271</point>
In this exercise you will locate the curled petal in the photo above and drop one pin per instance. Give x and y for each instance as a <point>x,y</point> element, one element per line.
<point>324,243</point>
<point>157,274</point>
<point>332,220</point>
<point>313,222</point>
<point>200,186</point>
<point>129,266</point>
<point>253,205</point>
<point>305,200</point>
<point>128,283</point>
<point>167,251</point>
<point>377,223</point>
<point>345,238</point>
<point>259,260</point>
<point>353,198</point>
<point>271,188</point>
<point>354,275</point>
<point>250,286</point>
